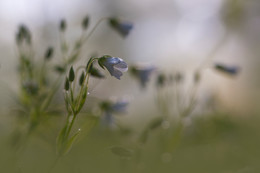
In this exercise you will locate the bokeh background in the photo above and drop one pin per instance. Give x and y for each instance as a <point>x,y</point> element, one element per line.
<point>173,36</point>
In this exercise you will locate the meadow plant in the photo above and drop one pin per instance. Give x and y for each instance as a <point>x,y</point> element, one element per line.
<point>37,90</point>
<point>76,100</point>
<point>175,103</point>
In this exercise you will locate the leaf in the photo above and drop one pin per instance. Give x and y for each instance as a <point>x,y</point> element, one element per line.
<point>73,58</point>
<point>70,142</point>
<point>89,124</point>
<point>144,136</point>
<point>61,139</point>
<point>155,123</point>
<point>122,152</point>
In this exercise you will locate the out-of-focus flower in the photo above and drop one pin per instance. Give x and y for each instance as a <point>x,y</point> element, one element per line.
<point>49,53</point>
<point>85,22</point>
<point>161,80</point>
<point>63,25</point>
<point>142,73</point>
<point>31,87</point>
<point>122,28</point>
<point>114,65</point>
<point>23,34</point>
<point>230,70</point>
<point>110,108</point>
<point>178,77</point>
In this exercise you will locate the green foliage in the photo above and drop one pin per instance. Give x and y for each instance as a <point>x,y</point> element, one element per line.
<point>159,141</point>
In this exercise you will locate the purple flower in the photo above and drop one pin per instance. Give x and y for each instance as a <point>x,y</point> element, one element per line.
<point>142,73</point>
<point>231,70</point>
<point>109,108</point>
<point>114,65</point>
<point>122,28</point>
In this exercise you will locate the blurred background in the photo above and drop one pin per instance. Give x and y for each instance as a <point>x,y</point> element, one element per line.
<point>171,35</point>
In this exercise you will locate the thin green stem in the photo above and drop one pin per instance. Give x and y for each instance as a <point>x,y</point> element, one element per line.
<point>54,164</point>
<point>85,79</point>
<point>94,28</point>
<point>214,51</point>
<point>70,125</point>
<point>55,87</point>
<point>63,45</point>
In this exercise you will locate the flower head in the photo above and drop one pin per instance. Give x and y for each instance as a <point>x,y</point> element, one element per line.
<point>142,73</point>
<point>112,107</point>
<point>122,28</point>
<point>230,70</point>
<point>161,80</point>
<point>114,65</point>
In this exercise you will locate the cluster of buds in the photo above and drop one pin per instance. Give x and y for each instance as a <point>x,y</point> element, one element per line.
<point>115,66</point>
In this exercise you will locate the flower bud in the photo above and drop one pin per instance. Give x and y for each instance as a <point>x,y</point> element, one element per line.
<point>49,53</point>
<point>67,84</point>
<point>71,74</point>
<point>123,28</point>
<point>81,79</point>
<point>63,25</point>
<point>85,22</point>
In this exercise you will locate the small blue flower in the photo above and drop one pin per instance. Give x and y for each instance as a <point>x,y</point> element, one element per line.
<point>142,73</point>
<point>114,65</point>
<point>122,28</point>
<point>119,106</point>
<point>231,70</point>
<point>109,108</point>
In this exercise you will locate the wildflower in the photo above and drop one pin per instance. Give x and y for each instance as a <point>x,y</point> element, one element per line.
<point>230,70</point>
<point>161,80</point>
<point>142,73</point>
<point>122,28</point>
<point>178,77</point>
<point>85,22</point>
<point>114,65</point>
<point>109,108</point>
<point>49,53</point>
<point>31,87</point>
<point>23,34</point>
<point>63,25</point>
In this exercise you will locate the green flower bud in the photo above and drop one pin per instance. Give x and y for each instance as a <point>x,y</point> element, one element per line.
<point>63,25</point>
<point>67,84</point>
<point>49,53</point>
<point>71,74</point>
<point>81,79</point>
<point>60,69</point>
<point>85,22</point>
